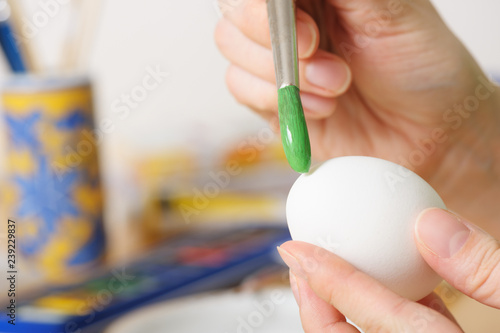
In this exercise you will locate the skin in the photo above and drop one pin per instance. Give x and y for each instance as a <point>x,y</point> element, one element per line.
<point>394,92</point>
<point>392,88</point>
<point>328,289</point>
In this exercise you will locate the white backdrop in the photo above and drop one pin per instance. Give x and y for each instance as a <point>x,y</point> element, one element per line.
<point>192,105</point>
<point>178,36</point>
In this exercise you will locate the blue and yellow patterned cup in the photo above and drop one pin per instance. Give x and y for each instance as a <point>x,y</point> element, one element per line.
<point>52,187</point>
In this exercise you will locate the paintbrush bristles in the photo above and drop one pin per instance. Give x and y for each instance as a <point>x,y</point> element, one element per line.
<point>294,134</point>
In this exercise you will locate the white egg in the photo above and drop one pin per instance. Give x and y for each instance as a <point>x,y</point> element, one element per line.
<point>364,210</point>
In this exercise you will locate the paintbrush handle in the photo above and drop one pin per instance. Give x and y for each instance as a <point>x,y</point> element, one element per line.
<point>26,44</point>
<point>282,26</point>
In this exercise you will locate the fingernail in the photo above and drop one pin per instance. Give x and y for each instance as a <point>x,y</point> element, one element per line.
<point>441,232</point>
<point>292,263</point>
<point>318,106</point>
<point>306,38</point>
<point>329,74</point>
<point>295,287</point>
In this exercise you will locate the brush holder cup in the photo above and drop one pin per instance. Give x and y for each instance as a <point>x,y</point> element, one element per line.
<point>51,187</point>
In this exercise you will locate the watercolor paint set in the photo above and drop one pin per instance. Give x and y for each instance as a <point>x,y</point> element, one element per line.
<point>194,261</point>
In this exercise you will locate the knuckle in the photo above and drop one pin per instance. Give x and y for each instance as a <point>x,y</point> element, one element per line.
<point>482,280</point>
<point>332,293</point>
<point>251,91</point>
<point>335,327</point>
<point>265,103</point>
<point>392,322</point>
<point>399,307</point>
<point>252,19</point>
<point>220,34</point>
<point>379,327</point>
<point>232,81</point>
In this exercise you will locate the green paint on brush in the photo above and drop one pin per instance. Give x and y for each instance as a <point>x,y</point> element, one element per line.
<point>294,135</point>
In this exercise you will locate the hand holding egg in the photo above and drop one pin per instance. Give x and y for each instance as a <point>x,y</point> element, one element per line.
<point>364,209</point>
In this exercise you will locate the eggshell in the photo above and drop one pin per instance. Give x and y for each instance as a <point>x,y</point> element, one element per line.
<point>364,210</point>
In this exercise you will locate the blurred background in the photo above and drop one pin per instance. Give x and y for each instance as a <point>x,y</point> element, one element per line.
<point>175,149</point>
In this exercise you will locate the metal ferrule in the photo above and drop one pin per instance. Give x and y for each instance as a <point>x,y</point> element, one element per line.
<point>281,15</point>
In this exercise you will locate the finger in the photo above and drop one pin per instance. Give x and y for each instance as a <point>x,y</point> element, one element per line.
<point>434,302</point>
<point>463,254</point>
<point>246,87</point>
<point>261,95</point>
<point>243,52</point>
<point>363,15</point>
<point>359,297</point>
<point>317,107</point>
<point>316,314</point>
<point>323,74</point>
<point>252,91</point>
<point>250,17</point>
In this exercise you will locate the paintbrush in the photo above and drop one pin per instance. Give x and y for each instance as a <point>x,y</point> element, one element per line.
<point>8,42</point>
<point>294,135</point>
<point>79,41</point>
<point>25,44</point>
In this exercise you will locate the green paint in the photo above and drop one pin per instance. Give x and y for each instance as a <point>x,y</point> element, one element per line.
<point>294,135</point>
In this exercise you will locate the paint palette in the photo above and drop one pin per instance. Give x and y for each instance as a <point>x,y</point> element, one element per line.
<point>192,262</point>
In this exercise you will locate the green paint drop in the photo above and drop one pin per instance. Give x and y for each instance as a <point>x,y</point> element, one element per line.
<point>294,135</point>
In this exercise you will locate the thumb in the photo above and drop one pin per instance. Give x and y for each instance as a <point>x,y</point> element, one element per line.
<point>462,253</point>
